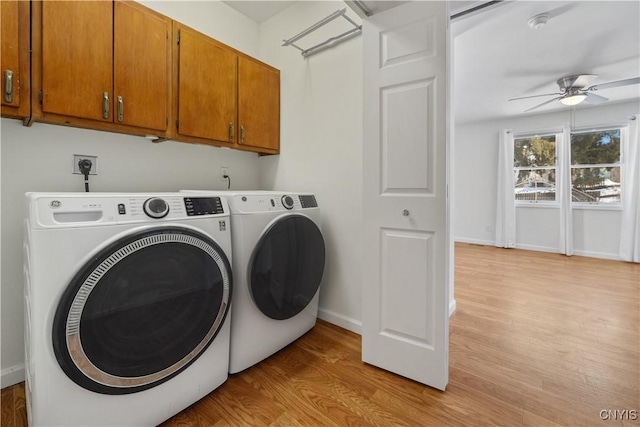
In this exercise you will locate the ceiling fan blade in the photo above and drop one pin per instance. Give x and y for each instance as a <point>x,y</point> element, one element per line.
<point>534,96</point>
<point>583,80</point>
<point>594,99</point>
<point>617,83</point>
<point>575,81</point>
<point>544,103</point>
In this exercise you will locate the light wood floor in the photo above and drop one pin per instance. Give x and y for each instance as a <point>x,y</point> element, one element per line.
<point>538,339</point>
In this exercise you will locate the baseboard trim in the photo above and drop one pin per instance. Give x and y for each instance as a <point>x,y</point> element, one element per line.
<point>12,375</point>
<point>345,322</point>
<point>474,241</point>
<point>577,252</point>
<point>537,248</point>
<point>602,255</point>
<point>452,307</point>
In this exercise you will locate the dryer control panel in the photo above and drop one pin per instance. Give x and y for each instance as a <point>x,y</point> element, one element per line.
<point>255,203</point>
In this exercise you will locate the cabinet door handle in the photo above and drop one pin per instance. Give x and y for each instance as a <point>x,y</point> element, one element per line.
<point>120,109</point>
<point>105,105</point>
<point>241,134</point>
<point>8,86</point>
<point>231,132</point>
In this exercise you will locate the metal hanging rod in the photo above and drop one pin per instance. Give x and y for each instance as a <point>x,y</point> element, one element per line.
<point>332,41</point>
<point>363,7</point>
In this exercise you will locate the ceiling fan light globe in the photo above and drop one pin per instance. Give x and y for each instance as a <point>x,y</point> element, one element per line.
<point>574,99</point>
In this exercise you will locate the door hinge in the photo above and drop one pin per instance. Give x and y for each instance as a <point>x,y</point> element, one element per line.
<point>40,96</point>
<point>178,38</point>
<point>177,123</point>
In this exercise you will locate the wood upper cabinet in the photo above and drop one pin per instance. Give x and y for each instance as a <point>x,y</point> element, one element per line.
<point>205,84</point>
<point>258,105</point>
<point>77,59</point>
<point>223,97</point>
<point>142,66</point>
<point>14,50</point>
<point>114,66</point>
<point>104,65</point>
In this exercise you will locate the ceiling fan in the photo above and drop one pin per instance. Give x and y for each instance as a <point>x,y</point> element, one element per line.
<point>574,90</point>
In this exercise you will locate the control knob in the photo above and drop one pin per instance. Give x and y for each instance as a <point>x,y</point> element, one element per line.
<point>287,202</point>
<point>155,207</point>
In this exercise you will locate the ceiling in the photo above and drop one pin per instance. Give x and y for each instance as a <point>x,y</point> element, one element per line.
<point>497,56</point>
<point>259,11</point>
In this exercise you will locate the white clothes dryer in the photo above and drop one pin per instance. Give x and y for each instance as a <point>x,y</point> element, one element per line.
<point>126,302</point>
<point>279,259</point>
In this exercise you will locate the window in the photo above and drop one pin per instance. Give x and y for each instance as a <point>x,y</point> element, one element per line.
<point>535,168</point>
<point>594,163</point>
<point>595,166</point>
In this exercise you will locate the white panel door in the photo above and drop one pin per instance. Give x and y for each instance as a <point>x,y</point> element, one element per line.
<point>405,320</point>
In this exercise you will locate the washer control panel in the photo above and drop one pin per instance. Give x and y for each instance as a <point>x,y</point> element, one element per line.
<point>64,210</point>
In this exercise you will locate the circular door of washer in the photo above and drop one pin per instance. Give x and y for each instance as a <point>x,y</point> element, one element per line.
<point>142,310</point>
<point>287,266</point>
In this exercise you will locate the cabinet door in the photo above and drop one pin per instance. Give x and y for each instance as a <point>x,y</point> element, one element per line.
<point>207,78</point>
<point>14,51</point>
<point>142,66</point>
<point>259,105</point>
<point>77,64</point>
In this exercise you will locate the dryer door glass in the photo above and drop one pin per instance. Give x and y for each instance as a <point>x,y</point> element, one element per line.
<point>287,266</point>
<point>142,310</point>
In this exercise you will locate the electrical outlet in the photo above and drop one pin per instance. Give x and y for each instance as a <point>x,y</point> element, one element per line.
<point>77,158</point>
<point>224,172</point>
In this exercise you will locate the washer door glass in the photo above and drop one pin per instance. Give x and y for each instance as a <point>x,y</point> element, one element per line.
<point>142,310</point>
<point>287,266</point>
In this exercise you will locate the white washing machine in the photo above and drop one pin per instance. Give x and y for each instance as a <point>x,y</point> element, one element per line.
<point>126,301</point>
<point>279,258</point>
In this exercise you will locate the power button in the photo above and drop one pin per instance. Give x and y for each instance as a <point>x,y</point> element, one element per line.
<point>121,209</point>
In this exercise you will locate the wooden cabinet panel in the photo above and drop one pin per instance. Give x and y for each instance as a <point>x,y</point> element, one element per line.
<point>89,54</point>
<point>206,87</point>
<point>77,58</point>
<point>10,61</point>
<point>218,87</point>
<point>15,64</point>
<point>258,104</point>
<point>142,70</point>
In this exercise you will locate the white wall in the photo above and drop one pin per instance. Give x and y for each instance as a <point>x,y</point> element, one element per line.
<point>596,232</point>
<point>321,144</point>
<point>212,18</point>
<point>125,163</point>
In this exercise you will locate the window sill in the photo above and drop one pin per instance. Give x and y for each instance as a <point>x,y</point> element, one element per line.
<point>597,206</point>
<point>537,205</point>
<point>574,206</point>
